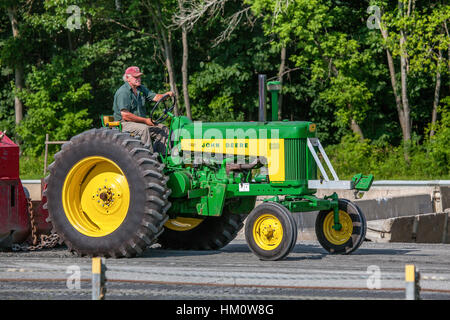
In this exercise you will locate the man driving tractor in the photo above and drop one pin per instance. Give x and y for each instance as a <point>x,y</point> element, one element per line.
<point>129,108</point>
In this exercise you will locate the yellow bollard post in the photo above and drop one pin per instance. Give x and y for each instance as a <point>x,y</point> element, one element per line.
<point>98,278</point>
<point>412,277</point>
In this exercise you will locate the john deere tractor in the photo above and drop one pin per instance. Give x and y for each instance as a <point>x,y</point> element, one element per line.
<point>110,196</point>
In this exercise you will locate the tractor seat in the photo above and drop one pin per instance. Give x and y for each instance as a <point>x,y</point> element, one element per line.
<point>108,121</point>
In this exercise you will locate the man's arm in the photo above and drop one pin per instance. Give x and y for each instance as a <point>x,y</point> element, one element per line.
<point>150,95</point>
<point>158,96</point>
<point>128,116</point>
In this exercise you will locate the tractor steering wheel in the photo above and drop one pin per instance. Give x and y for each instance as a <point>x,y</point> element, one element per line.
<point>168,106</point>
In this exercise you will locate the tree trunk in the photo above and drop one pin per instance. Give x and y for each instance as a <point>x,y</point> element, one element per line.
<point>118,5</point>
<point>170,69</point>
<point>184,72</point>
<point>448,51</point>
<point>356,128</point>
<point>18,68</point>
<point>165,43</point>
<point>404,68</point>
<point>89,29</point>
<point>19,82</point>
<point>404,85</point>
<point>398,99</point>
<point>280,78</point>
<point>69,40</point>
<point>185,63</point>
<point>436,95</point>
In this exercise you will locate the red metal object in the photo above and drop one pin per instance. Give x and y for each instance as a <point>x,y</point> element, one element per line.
<point>41,215</point>
<point>15,224</point>
<point>9,159</point>
<point>14,218</point>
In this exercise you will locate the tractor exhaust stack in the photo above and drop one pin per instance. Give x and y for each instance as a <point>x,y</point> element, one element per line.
<point>262,115</point>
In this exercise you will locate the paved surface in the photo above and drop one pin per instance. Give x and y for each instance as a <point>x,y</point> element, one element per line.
<point>374,271</point>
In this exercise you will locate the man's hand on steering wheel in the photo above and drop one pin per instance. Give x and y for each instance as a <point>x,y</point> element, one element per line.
<point>149,122</point>
<point>162,99</point>
<point>159,96</point>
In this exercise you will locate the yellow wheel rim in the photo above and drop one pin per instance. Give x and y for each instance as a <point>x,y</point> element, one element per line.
<point>95,196</point>
<point>182,224</point>
<point>267,232</point>
<point>341,236</point>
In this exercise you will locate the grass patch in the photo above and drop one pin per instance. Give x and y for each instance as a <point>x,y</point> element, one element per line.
<point>32,168</point>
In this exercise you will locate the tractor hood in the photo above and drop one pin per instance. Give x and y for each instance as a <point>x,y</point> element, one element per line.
<point>256,130</point>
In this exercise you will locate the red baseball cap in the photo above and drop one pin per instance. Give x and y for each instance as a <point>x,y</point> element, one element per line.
<point>134,71</point>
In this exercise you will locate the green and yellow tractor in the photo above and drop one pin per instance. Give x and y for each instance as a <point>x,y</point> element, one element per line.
<point>109,196</point>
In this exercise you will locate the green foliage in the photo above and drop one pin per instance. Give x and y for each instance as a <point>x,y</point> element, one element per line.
<point>350,96</point>
<point>437,145</point>
<point>326,49</point>
<point>32,168</point>
<point>336,71</point>
<point>430,160</point>
<point>55,97</point>
<point>222,85</point>
<point>221,109</point>
<point>6,112</point>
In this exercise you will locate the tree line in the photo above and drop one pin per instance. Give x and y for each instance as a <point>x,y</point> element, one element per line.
<point>375,70</point>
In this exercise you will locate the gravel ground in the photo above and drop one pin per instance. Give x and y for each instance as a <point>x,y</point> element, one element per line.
<point>374,271</point>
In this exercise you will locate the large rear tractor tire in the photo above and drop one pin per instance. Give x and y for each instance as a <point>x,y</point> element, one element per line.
<point>202,233</point>
<point>107,195</point>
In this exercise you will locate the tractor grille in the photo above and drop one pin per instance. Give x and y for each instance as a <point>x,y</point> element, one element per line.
<point>295,152</point>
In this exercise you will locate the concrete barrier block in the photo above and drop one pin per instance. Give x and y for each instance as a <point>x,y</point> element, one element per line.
<point>34,189</point>
<point>378,230</point>
<point>398,229</point>
<point>402,229</point>
<point>424,228</point>
<point>446,233</point>
<point>430,228</point>
<point>306,234</point>
<point>384,208</point>
<point>445,197</point>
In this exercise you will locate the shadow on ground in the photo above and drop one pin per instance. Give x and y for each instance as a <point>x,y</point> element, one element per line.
<point>309,251</point>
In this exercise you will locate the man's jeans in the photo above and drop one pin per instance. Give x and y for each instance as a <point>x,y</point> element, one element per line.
<point>153,137</point>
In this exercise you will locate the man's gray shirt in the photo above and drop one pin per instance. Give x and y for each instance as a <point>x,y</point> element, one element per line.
<point>125,98</point>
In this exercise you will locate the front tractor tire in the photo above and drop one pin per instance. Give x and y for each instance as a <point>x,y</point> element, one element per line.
<point>350,236</point>
<point>107,195</point>
<point>271,231</point>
